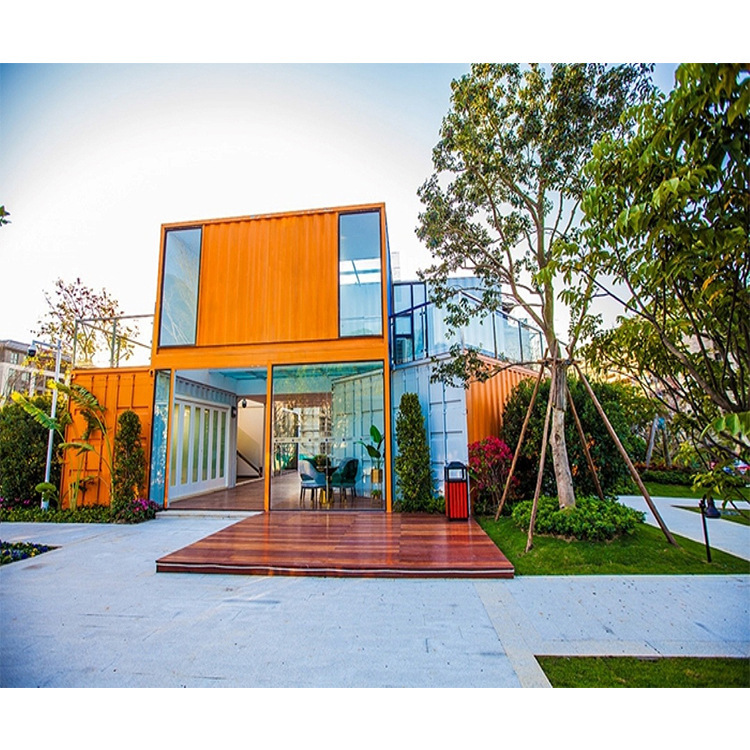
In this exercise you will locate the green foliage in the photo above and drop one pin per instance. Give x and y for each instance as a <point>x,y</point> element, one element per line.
<point>591,519</point>
<point>667,217</point>
<point>23,451</point>
<point>3,216</point>
<point>129,465</point>
<point>613,474</point>
<point>374,449</point>
<point>414,480</point>
<point>508,163</point>
<point>677,476</point>
<point>34,514</point>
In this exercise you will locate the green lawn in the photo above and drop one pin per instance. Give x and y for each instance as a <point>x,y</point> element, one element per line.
<point>645,552</point>
<point>628,671</point>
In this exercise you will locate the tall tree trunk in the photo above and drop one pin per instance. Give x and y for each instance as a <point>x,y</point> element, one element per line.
<point>565,493</point>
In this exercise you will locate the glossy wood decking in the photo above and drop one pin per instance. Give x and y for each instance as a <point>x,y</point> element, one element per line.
<point>343,544</point>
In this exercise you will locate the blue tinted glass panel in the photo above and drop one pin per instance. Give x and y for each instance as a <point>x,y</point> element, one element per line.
<point>179,304</point>
<point>360,297</point>
<point>159,437</point>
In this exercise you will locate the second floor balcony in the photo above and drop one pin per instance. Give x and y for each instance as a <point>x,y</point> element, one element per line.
<point>419,330</point>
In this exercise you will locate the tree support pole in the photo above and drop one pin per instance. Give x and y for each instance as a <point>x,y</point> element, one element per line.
<point>626,458</point>
<point>537,491</point>
<point>520,442</point>
<point>586,451</point>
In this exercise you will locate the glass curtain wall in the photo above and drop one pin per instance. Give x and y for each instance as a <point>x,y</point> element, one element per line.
<point>322,422</point>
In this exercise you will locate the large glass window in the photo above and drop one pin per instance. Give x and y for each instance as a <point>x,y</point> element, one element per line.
<point>360,293</point>
<point>323,417</point>
<point>179,298</point>
<point>159,437</point>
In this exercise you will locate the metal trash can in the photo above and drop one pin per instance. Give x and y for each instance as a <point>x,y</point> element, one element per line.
<point>456,491</point>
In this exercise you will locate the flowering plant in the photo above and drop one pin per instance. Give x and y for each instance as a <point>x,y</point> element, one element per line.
<point>489,462</point>
<point>135,511</point>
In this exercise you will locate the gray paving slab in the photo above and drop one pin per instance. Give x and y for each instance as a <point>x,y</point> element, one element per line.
<point>94,613</point>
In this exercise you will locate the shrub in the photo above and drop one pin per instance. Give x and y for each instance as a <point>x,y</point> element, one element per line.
<point>23,453</point>
<point>31,512</point>
<point>591,519</point>
<point>662,475</point>
<point>489,462</point>
<point>611,469</point>
<point>414,479</point>
<point>129,470</point>
<point>136,511</point>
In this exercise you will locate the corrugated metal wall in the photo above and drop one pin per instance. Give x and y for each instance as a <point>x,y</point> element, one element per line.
<point>485,402</point>
<point>118,391</point>
<point>272,279</point>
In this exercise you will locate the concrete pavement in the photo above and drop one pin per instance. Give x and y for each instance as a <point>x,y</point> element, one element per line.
<point>94,613</point>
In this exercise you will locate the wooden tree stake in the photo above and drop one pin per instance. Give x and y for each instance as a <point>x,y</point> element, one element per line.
<point>520,443</point>
<point>586,451</point>
<point>545,435</point>
<point>626,458</point>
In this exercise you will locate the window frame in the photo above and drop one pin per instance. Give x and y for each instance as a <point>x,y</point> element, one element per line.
<point>379,212</point>
<point>167,232</point>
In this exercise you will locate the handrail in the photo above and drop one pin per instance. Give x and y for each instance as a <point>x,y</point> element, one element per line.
<point>257,469</point>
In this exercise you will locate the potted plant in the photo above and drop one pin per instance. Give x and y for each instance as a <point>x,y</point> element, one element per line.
<point>374,450</point>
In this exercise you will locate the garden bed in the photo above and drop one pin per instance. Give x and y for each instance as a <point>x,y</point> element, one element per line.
<point>14,551</point>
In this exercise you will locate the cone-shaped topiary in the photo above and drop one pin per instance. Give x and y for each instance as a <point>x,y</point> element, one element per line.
<point>414,474</point>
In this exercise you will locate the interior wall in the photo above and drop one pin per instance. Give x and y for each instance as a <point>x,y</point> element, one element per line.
<point>250,425</point>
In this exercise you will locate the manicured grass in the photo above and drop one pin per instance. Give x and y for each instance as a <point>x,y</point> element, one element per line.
<point>629,671</point>
<point>679,490</point>
<point>645,552</point>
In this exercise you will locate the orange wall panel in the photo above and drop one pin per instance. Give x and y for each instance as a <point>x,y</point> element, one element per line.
<point>272,279</point>
<point>118,391</point>
<point>485,402</point>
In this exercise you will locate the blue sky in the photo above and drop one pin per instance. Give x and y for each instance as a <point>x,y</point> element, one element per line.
<point>95,158</point>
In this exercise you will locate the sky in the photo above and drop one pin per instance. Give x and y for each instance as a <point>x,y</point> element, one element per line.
<point>95,157</point>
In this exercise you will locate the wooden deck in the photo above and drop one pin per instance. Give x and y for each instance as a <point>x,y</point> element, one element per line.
<point>345,544</point>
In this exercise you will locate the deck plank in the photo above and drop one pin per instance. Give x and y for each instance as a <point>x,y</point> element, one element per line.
<point>345,544</point>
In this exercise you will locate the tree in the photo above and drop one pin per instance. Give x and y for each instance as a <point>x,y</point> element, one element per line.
<point>71,302</point>
<point>3,216</point>
<point>504,199</point>
<point>667,218</point>
<point>629,412</point>
<point>412,463</point>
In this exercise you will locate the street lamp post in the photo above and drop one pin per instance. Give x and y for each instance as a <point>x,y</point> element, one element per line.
<point>53,413</point>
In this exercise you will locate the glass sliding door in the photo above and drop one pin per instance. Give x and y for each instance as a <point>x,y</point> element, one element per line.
<point>322,420</point>
<point>199,451</point>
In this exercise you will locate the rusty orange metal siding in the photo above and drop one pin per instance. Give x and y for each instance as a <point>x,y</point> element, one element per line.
<point>117,390</point>
<point>485,402</point>
<point>269,294</point>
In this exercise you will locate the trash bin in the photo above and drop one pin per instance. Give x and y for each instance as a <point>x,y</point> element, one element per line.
<point>456,491</point>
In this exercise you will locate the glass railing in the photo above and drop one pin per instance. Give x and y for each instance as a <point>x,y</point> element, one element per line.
<point>421,332</point>
<point>123,341</point>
